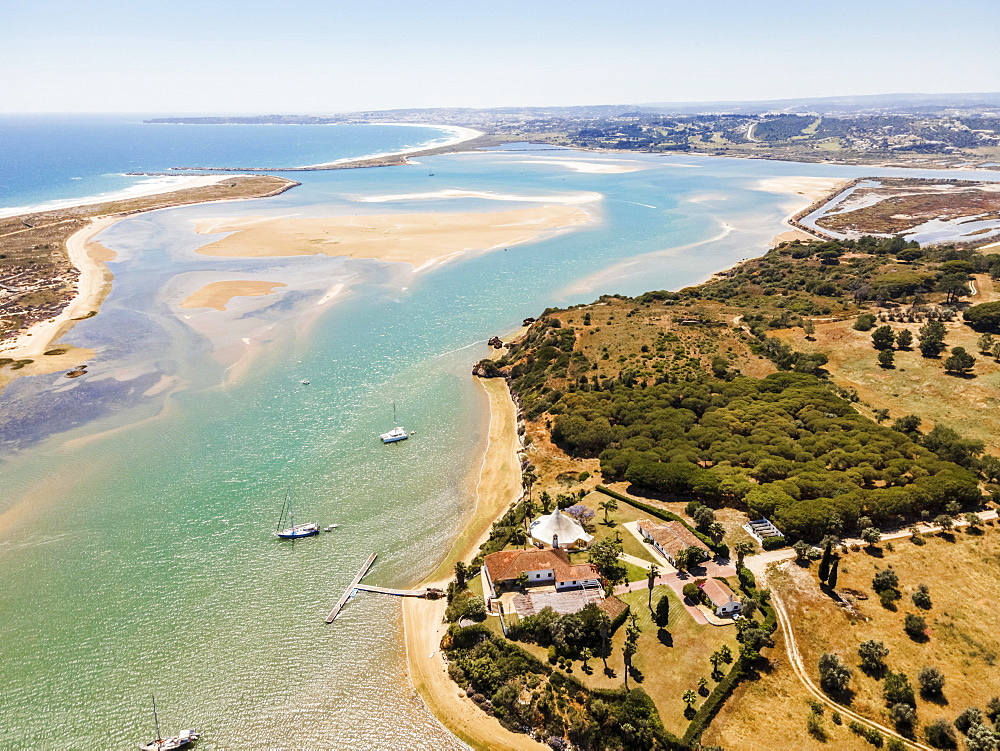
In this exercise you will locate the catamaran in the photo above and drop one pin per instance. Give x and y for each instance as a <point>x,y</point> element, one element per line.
<point>396,434</point>
<point>294,531</point>
<point>182,739</point>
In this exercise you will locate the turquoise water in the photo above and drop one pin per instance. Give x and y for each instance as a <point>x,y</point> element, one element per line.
<point>135,533</point>
<point>58,157</point>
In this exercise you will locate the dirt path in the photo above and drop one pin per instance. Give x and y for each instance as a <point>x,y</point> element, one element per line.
<point>795,659</point>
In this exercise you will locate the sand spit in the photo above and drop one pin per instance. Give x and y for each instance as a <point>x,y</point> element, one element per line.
<point>593,168</point>
<point>153,186</point>
<point>218,294</point>
<point>418,239</point>
<point>563,198</point>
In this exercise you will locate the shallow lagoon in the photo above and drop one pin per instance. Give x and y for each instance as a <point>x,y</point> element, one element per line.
<point>136,538</point>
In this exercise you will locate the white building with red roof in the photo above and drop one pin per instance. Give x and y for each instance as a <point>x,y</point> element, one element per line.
<point>547,567</point>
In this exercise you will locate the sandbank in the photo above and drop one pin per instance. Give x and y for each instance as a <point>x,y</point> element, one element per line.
<point>811,188</point>
<point>594,168</point>
<point>790,236</point>
<point>497,486</point>
<point>218,294</point>
<point>564,198</point>
<point>418,239</point>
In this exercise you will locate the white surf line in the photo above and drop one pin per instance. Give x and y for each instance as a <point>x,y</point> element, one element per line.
<point>459,135</point>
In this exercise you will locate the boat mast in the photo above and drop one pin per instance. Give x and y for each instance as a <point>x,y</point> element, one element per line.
<point>394,420</point>
<point>281,516</point>
<point>291,513</point>
<point>156,720</point>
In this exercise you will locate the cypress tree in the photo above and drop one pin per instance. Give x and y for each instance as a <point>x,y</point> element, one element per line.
<point>824,564</point>
<point>831,582</point>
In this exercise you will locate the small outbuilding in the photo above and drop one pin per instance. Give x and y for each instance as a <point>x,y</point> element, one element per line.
<point>723,599</point>
<point>559,531</point>
<point>670,538</point>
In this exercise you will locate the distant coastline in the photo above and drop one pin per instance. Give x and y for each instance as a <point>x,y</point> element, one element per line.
<point>470,137</point>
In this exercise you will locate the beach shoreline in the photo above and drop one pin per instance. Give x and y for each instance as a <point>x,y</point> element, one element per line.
<point>93,283</point>
<point>497,486</point>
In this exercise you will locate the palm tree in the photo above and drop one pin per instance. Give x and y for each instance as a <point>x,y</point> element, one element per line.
<point>609,505</point>
<point>519,536</point>
<point>651,575</point>
<point>689,698</point>
<point>742,550</point>
<point>528,479</point>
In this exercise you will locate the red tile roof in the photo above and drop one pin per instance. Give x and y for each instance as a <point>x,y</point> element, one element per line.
<point>507,565</point>
<point>718,592</point>
<point>673,536</point>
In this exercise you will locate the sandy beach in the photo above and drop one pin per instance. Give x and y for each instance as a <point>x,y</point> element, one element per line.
<point>217,295</point>
<point>418,239</point>
<point>497,486</point>
<point>460,134</point>
<point>92,287</point>
<point>811,190</point>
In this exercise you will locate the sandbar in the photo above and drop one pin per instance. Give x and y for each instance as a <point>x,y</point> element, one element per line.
<point>812,188</point>
<point>418,239</point>
<point>218,294</point>
<point>594,168</point>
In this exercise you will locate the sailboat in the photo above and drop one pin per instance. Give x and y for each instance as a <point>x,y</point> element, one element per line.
<point>294,531</point>
<point>396,434</point>
<point>182,739</point>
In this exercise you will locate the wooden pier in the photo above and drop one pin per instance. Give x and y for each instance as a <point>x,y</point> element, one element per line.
<point>430,593</point>
<point>350,590</point>
<point>397,592</point>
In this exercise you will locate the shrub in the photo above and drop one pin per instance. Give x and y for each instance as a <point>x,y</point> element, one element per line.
<point>970,716</point>
<point>885,579</point>
<point>864,322</point>
<point>896,689</point>
<point>915,626</point>
<point>692,592</point>
<point>940,734</point>
<point>873,654</point>
<point>773,543</point>
<point>931,681</point>
<point>904,717</point>
<point>834,675</point>
<point>922,597</point>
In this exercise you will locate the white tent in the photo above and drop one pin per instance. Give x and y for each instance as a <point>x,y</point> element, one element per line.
<point>559,531</point>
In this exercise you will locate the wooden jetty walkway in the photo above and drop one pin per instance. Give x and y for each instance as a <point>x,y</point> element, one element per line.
<point>357,586</point>
<point>350,590</point>
<point>397,592</point>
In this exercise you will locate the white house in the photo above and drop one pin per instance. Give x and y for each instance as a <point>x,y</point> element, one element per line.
<point>540,566</point>
<point>669,538</point>
<point>723,599</point>
<point>559,531</point>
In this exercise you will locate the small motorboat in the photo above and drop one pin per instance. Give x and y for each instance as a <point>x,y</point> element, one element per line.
<point>304,382</point>
<point>396,434</point>
<point>331,527</point>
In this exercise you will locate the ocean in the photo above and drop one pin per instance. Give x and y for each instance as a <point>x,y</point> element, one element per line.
<point>140,500</point>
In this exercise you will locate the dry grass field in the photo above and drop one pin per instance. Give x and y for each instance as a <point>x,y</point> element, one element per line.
<point>962,641</point>
<point>770,710</point>
<point>916,385</point>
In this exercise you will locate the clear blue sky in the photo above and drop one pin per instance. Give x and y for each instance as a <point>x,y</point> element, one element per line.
<point>286,56</point>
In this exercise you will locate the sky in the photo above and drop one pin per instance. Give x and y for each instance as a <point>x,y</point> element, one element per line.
<point>315,57</point>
